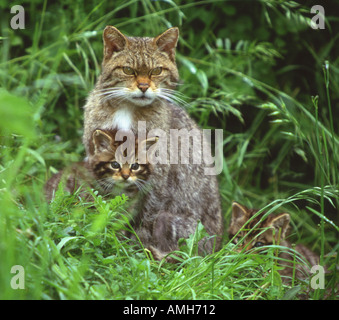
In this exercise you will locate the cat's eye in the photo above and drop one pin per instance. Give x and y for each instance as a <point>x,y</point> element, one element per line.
<point>115,165</point>
<point>236,240</point>
<point>135,166</point>
<point>258,244</point>
<point>156,71</point>
<point>129,71</point>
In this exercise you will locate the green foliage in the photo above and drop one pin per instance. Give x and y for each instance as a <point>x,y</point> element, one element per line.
<point>255,69</point>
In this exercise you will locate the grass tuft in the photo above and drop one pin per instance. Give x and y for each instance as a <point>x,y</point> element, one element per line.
<point>265,77</point>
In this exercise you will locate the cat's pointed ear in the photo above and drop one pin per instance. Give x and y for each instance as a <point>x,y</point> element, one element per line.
<point>240,215</point>
<point>281,223</point>
<point>101,141</point>
<point>167,41</point>
<point>144,147</point>
<point>146,144</point>
<point>150,141</point>
<point>114,41</point>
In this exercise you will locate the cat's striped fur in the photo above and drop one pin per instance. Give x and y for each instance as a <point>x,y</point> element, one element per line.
<point>137,83</point>
<point>249,230</point>
<point>106,170</point>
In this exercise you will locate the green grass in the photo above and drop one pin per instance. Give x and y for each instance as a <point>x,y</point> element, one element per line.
<point>264,77</point>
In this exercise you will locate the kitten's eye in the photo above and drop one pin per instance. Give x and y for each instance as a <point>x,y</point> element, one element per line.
<point>236,240</point>
<point>115,165</point>
<point>156,71</point>
<point>129,71</point>
<point>258,244</point>
<point>135,166</point>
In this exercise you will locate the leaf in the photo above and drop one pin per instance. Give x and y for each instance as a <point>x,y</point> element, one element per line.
<point>192,68</point>
<point>16,115</point>
<point>323,217</point>
<point>64,241</point>
<point>99,222</point>
<point>37,156</point>
<point>291,293</point>
<point>201,75</point>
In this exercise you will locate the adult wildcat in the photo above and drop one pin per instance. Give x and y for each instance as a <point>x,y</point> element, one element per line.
<point>136,84</point>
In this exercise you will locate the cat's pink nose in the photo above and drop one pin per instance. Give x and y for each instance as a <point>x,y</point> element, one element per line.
<point>125,176</point>
<point>143,87</point>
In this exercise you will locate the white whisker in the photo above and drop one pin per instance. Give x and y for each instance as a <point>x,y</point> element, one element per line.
<point>174,92</point>
<point>118,93</point>
<point>142,185</point>
<point>106,184</point>
<point>110,89</point>
<point>172,96</point>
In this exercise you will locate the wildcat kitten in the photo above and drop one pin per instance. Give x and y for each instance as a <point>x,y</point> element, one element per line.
<point>136,84</point>
<point>105,170</point>
<point>277,227</point>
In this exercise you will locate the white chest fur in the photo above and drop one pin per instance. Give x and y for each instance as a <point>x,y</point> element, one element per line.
<point>123,119</point>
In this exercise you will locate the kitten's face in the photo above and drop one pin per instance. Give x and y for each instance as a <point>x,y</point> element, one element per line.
<point>138,69</point>
<point>115,171</point>
<point>115,174</point>
<point>271,230</point>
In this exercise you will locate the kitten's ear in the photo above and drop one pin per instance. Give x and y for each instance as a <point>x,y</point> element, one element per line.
<point>101,141</point>
<point>167,41</point>
<point>144,147</point>
<point>114,41</point>
<point>150,142</point>
<point>240,215</point>
<point>281,221</point>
